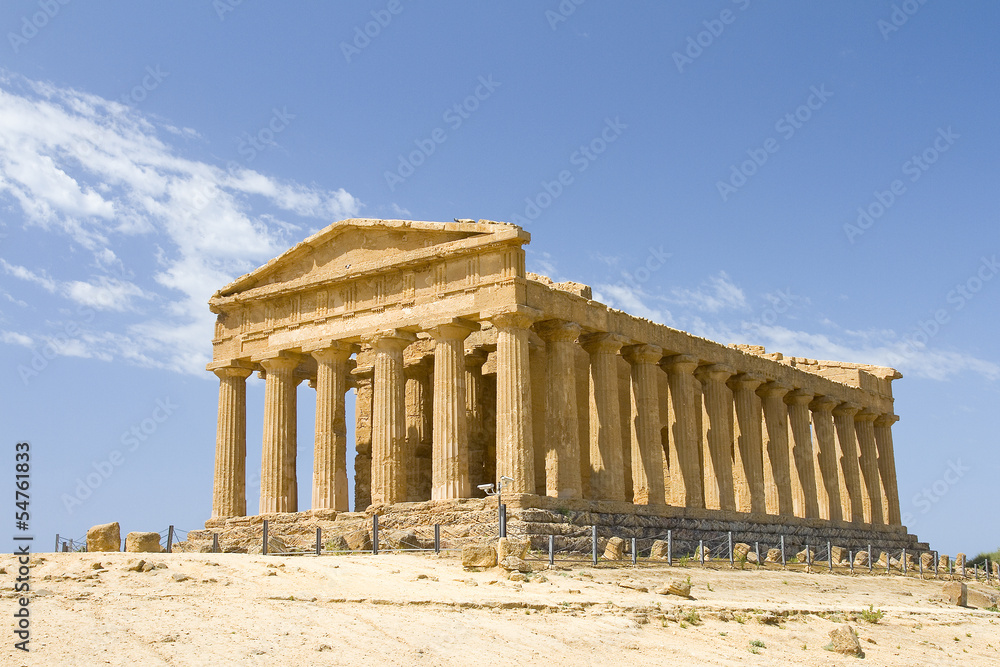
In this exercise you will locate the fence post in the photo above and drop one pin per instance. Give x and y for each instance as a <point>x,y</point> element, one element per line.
<point>937,563</point>
<point>870,559</point>
<point>783,564</point>
<point>829,555</point>
<point>263,549</point>
<point>503,520</point>
<point>593,542</point>
<point>437,538</point>
<point>850,558</point>
<point>319,541</point>
<point>215,543</point>
<point>902,563</point>
<point>888,562</point>
<point>375,534</point>
<point>57,542</point>
<point>170,539</point>
<point>921,569</point>
<point>756,550</point>
<point>808,557</point>
<point>701,551</point>
<point>731,561</point>
<point>552,550</point>
<point>670,547</point>
<point>65,547</point>
<point>633,551</point>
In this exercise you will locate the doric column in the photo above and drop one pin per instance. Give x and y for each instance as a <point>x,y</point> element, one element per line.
<point>277,474</point>
<point>718,425</point>
<point>749,468</point>
<point>805,501</point>
<point>450,433</point>
<point>607,474</point>
<point>475,418</point>
<point>647,450</point>
<point>777,462</point>
<point>515,449</point>
<point>418,427</point>
<point>827,467</point>
<point>329,490</point>
<point>871,493</point>
<point>363,438</point>
<point>562,453</point>
<point>229,495</point>
<point>887,467</point>
<point>684,440</point>
<point>847,451</point>
<point>389,417</point>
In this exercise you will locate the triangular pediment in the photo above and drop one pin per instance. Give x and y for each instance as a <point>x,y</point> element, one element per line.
<point>357,246</point>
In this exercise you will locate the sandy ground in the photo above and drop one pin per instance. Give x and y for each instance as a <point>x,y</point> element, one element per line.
<point>415,609</point>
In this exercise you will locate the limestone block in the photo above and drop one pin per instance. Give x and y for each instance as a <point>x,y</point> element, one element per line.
<point>752,557</point>
<point>740,551</point>
<point>979,599</point>
<point>959,562</point>
<point>676,587</point>
<point>515,564</point>
<point>399,539</point>
<point>838,555</point>
<point>359,540</point>
<point>927,561</point>
<point>275,545</point>
<point>883,560</point>
<point>336,543</point>
<point>773,556</point>
<point>143,543</point>
<point>658,550</point>
<point>861,559</point>
<point>996,570</point>
<point>104,537</point>
<point>615,550</point>
<point>479,556</point>
<point>512,546</point>
<point>943,563</point>
<point>804,557</point>
<point>845,640</point>
<point>708,554</point>
<point>957,593</point>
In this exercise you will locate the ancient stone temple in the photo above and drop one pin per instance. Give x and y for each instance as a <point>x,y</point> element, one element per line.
<point>468,370</point>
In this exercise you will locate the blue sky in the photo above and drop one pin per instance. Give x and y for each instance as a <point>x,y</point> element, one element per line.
<point>816,178</point>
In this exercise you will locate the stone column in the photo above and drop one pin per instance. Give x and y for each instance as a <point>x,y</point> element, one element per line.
<point>750,469</point>
<point>229,494</point>
<point>887,468</point>
<point>562,454</point>
<point>777,462</point>
<point>389,418</point>
<point>805,501</point>
<point>684,441</point>
<point>363,439</point>
<point>828,482</point>
<point>329,490</point>
<point>864,428</point>
<point>847,451</point>
<point>515,448</point>
<point>607,474</point>
<point>475,418</point>
<point>647,450</point>
<point>277,488</point>
<point>718,456</point>
<point>450,433</point>
<point>417,375</point>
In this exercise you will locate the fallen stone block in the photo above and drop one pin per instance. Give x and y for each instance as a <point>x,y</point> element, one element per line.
<point>659,550</point>
<point>515,564</point>
<point>845,640</point>
<point>615,549</point>
<point>479,556</point>
<point>861,559</point>
<point>957,593</point>
<point>512,546</point>
<point>139,542</point>
<point>773,556</point>
<point>979,599</point>
<point>104,537</point>
<point>740,551</point>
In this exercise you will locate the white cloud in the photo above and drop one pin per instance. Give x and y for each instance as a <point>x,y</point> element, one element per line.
<point>14,338</point>
<point>715,294</point>
<point>160,226</point>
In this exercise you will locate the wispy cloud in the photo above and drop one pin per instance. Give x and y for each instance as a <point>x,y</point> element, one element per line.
<point>96,175</point>
<point>717,293</point>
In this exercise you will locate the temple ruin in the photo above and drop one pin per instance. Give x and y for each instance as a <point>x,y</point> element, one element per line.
<point>468,370</point>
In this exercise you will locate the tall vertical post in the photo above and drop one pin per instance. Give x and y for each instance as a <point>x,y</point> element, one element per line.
<point>562,433</point>
<point>229,487</point>
<point>593,542</point>
<point>263,546</point>
<point>686,484</point>
<point>170,539</point>
<point>717,460</point>
<point>389,417</point>
<point>607,472</point>
<point>515,448</point>
<point>329,484</point>
<point>647,449</point>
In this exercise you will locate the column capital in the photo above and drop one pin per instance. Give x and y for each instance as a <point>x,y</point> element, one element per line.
<point>279,363</point>
<point>719,372</point>
<point>643,353</point>
<point>773,389</point>
<point>454,328</point>
<point>389,338</point>
<point>232,372</point>
<point>823,404</point>
<point>846,408</point>
<point>558,331</point>
<point>886,419</point>
<point>799,397</point>
<point>746,381</point>
<point>332,351</point>
<point>521,317</point>
<point>679,363</point>
<point>866,415</point>
<point>602,342</point>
